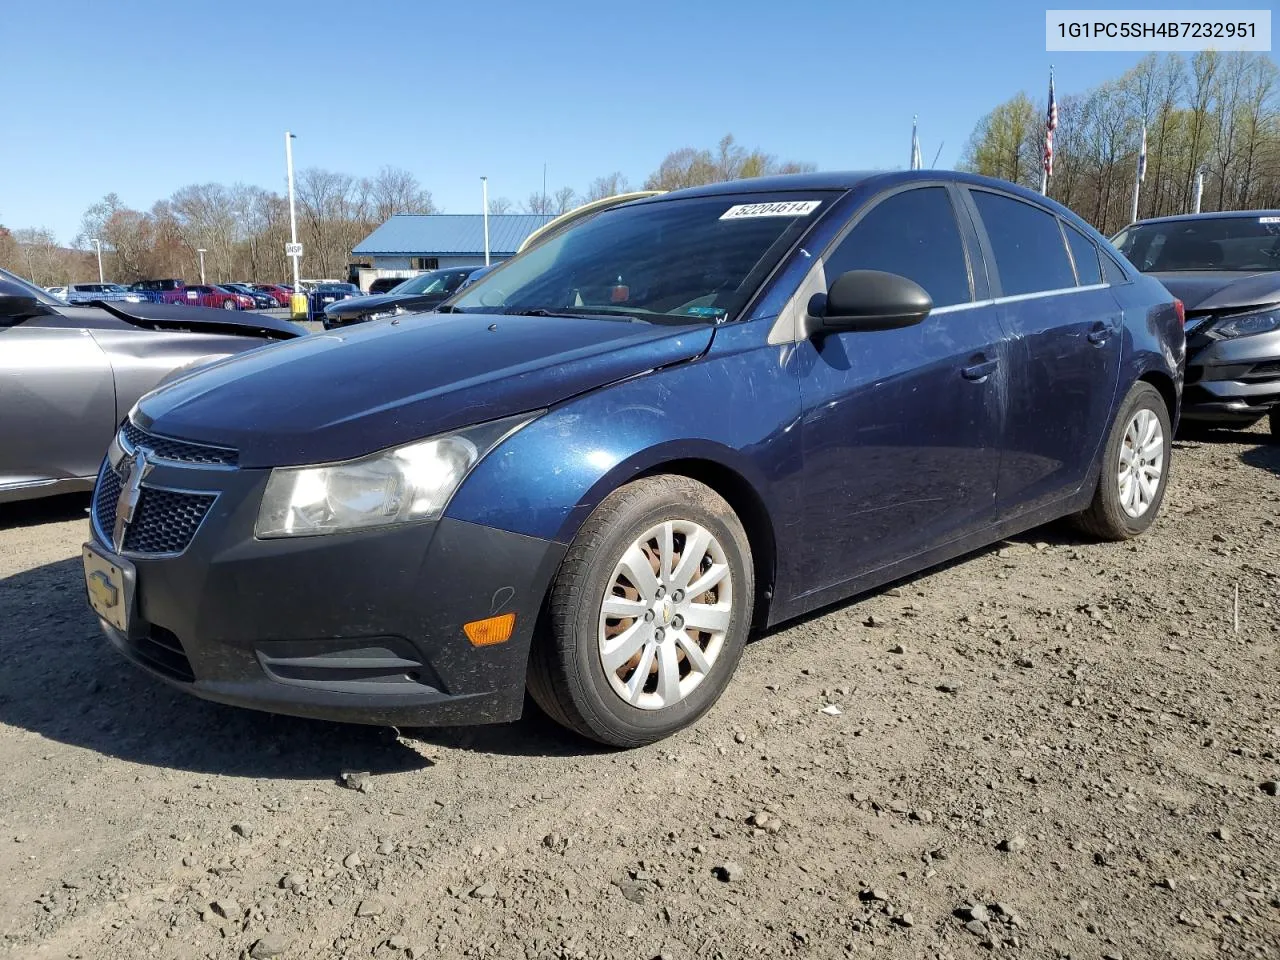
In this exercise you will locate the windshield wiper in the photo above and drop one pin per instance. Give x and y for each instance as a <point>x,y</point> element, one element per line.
<point>539,312</point>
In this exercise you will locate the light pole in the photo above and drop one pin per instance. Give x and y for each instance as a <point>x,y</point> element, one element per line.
<point>484,188</point>
<point>293,216</point>
<point>98,243</point>
<point>202,252</point>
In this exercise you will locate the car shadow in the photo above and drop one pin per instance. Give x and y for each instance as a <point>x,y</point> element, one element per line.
<point>1265,456</point>
<point>63,681</point>
<point>31,513</point>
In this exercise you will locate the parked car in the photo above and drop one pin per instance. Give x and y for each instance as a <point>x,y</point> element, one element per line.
<point>207,295</point>
<point>1226,268</point>
<point>59,292</point>
<point>111,292</point>
<point>386,284</point>
<point>415,295</point>
<point>323,295</point>
<point>170,290</point>
<point>596,468</point>
<point>261,300</point>
<point>69,373</point>
<point>278,292</point>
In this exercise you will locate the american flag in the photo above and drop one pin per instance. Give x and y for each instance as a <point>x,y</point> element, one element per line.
<point>1050,125</point>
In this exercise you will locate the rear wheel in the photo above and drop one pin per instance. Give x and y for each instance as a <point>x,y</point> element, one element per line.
<point>1135,468</point>
<point>228,305</point>
<point>648,615</point>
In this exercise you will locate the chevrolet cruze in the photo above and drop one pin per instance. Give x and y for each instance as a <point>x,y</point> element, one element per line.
<point>600,466</point>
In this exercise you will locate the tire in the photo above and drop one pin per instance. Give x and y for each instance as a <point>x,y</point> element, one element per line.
<point>229,305</point>
<point>688,669</point>
<point>1107,517</point>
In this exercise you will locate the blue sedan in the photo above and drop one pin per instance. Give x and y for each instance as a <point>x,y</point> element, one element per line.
<point>608,460</point>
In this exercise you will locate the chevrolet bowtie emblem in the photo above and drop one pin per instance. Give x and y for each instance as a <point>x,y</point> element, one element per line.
<point>134,470</point>
<point>102,590</point>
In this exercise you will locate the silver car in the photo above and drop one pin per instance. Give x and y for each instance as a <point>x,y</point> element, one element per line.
<point>69,374</point>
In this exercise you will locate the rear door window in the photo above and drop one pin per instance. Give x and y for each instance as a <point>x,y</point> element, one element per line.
<point>1030,254</point>
<point>1085,255</point>
<point>913,234</point>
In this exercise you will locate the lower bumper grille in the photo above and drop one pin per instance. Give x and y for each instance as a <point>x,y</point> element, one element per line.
<point>162,651</point>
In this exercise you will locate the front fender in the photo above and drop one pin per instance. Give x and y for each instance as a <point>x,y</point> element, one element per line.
<point>735,408</point>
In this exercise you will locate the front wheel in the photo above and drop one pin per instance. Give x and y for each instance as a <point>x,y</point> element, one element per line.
<point>1135,468</point>
<point>228,304</point>
<point>648,615</point>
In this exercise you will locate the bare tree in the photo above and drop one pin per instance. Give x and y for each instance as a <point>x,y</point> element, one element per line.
<point>500,205</point>
<point>566,199</point>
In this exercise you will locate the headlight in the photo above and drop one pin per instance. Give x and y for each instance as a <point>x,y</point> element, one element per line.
<point>1248,324</point>
<point>412,482</point>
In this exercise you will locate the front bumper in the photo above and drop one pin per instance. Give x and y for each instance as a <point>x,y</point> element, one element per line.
<point>363,627</point>
<point>1232,381</point>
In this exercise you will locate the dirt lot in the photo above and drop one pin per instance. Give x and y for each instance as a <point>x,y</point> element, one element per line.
<point>1052,748</point>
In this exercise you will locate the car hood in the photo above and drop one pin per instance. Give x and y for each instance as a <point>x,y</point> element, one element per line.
<point>178,316</point>
<point>1204,290</point>
<point>343,394</point>
<point>383,301</point>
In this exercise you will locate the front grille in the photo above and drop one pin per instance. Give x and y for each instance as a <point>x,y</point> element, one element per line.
<point>166,448</point>
<point>163,522</point>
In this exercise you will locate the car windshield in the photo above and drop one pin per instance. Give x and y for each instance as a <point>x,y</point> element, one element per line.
<point>1207,243</point>
<point>433,282</point>
<point>13,285</point>
<point>666,261</point>
<point>336,288</point>
<point>117,288</point>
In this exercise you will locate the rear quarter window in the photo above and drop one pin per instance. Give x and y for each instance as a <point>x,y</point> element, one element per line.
<point>1085,254</point>
<point>1030,254</point>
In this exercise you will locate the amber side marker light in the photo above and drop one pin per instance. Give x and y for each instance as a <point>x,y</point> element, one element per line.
<point>491,630</point>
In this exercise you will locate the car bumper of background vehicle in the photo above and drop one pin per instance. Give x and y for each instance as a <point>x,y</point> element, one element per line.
<point>1232,381</point>
<point>361,627</point>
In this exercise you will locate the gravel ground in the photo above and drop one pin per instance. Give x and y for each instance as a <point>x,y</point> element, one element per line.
<point>1052,748</point>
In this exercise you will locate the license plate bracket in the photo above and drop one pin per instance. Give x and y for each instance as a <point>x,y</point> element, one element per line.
<point>109,582</point>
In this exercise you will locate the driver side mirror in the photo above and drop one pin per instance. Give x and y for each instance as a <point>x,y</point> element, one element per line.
<point>862,300</point>
<point>16,307</point>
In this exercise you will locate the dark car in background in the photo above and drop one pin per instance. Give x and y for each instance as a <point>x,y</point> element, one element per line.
<point>423,292</point>
<point>386,284</point>
<point>1225,267</point>
<point>594,470</point>
<point>326,293</point>
<point>261,300</point>
<point>70,372</point>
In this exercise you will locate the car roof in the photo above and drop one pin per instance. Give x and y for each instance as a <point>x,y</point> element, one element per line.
<point>1219,215</point>
<point>848,180</point>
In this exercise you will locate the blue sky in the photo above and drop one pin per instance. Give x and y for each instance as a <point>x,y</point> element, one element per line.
<point>141,97</point>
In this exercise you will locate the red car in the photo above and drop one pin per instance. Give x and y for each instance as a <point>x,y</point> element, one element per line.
<point>200,295</point>
<point>276,291</point>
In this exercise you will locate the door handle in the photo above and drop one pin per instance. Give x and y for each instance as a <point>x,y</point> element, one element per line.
<point>1099,336</point>
<point>980,371</point>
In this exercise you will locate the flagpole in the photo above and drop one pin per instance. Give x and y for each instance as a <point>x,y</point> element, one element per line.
<point>1138,172</point>
<point>915,144</point>
<point>1050,122</point>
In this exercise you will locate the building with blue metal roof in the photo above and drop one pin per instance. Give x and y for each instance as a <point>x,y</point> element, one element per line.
<point>413,242</point>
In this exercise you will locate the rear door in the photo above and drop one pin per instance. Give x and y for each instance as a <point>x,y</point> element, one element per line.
<point>1064,331</point>
<point>57,402</point>
<point>901,427</point>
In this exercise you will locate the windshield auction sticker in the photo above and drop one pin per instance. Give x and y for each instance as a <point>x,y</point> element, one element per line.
<point>783,208</point>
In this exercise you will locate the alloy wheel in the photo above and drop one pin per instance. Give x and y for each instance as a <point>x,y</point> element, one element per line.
<point>665,613</point>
